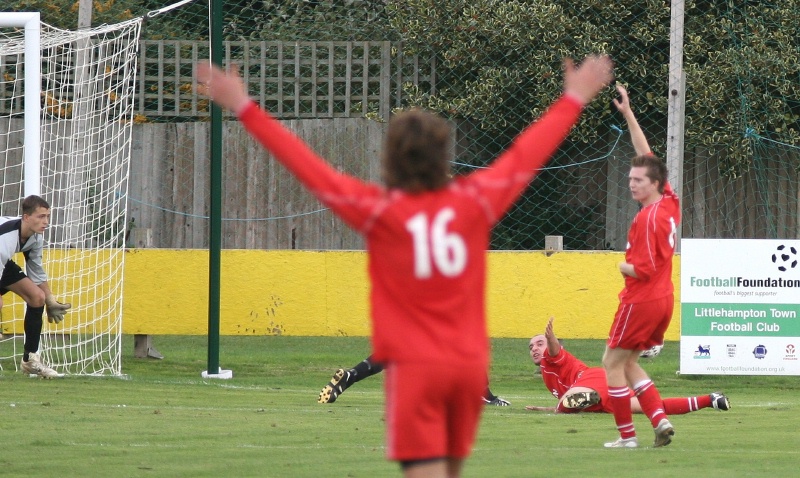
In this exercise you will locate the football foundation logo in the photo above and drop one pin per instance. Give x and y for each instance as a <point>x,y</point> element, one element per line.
<point>785,258</point>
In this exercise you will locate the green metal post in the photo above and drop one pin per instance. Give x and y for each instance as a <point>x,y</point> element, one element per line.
<point>215,216</point>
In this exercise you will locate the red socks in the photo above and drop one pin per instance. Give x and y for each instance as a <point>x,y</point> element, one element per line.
<point>650,400</point>
<point>680,406</point>
<point>620,401</point>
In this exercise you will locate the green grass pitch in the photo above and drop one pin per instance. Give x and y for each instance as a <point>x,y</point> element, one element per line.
<point>163,420</point>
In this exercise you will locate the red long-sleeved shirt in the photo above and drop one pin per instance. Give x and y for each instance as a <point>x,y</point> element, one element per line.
<point>426,251</point>
<point>560,372</point>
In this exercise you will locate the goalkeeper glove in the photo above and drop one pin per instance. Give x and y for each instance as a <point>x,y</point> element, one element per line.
<point>55,309</point>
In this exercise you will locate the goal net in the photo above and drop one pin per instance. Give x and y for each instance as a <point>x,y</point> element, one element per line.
<point>79,163</point>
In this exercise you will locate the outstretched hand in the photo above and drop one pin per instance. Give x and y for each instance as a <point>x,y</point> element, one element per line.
<point>548,331</point>
<point>553,345</point>
<point>586,80</point>
<point>623,104</point>
<point>225,88</point>
<point>640,145</point>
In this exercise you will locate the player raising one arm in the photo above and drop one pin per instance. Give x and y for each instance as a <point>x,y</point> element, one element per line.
<point>647,300</point>
<point>580,388</point>
<point>426,235</point>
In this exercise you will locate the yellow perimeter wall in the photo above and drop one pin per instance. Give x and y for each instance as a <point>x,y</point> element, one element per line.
<point>325,293</point>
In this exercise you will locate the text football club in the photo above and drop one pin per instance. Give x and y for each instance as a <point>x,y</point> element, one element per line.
<point>739,297</point>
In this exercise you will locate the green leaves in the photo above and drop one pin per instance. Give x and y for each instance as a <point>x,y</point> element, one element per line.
<point>742,71</point>
<point>501,60</point>
<point>500,64</point>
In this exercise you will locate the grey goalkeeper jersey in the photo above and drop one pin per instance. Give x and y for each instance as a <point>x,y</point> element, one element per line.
<point>10,228</point>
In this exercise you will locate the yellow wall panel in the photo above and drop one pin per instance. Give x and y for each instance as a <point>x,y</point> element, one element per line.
<point>325,293</point>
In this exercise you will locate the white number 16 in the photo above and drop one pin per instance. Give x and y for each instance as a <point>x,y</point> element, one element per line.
<point>435,246</point>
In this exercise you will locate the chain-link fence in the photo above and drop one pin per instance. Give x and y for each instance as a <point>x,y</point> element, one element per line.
<point>334,71</point>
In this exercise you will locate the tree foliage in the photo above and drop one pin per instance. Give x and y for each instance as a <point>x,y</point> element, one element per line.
<point>188,22</point>
<point>500,61</point>
<point>742,76</point>
<point>307,20</point>
<point>499,64</point>
<point>64,13</point>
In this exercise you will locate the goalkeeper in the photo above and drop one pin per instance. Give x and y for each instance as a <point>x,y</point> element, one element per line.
<point>24,234</point>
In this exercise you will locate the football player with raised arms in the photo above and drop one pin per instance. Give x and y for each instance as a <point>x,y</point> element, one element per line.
<point>647,300</point>
<point>426,236</point>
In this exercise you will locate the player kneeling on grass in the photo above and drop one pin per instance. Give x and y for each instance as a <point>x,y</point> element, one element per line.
<point>24,234</point>
<point>426,235</point>
<point>580,388</point>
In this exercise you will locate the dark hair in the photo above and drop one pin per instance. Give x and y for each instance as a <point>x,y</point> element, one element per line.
<point>33,202</point>
<point>416,153</point>
<point>656,169</point>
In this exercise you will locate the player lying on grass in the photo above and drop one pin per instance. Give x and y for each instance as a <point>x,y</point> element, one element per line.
<point>426,235</point>
<point>580,388</point>
<point>343,379</point>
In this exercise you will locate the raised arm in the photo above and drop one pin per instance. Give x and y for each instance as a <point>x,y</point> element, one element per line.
<point>638,139</point>
<point>224,88</point>
<point>332,187</point>
<point>553,345</point>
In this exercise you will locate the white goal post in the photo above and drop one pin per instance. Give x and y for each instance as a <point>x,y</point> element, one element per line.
<point>30,23</point>
<point>66,110</point>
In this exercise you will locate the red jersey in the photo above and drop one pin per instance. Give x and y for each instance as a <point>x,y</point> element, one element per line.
<point>560,373</point>
<point>426,251</point>
<point>651,245</point>
<point>565,371</point>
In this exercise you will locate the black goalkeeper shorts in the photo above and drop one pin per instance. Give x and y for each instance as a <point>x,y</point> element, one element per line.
<point>11,275</point>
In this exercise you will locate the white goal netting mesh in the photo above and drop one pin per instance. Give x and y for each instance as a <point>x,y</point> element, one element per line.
<point>87,84</point>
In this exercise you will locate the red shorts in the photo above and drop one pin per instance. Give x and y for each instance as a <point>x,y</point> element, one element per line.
<point>433,410</point>
<point>642,325</point>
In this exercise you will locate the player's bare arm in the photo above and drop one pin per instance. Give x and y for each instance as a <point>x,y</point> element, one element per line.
<point>627,270</point>
<point>638,138</point>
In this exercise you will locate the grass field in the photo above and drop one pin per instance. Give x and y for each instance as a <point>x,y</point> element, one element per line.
<point>163,420</point>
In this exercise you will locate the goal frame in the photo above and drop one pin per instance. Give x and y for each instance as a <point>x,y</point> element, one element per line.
<point>72,91</point>
<point>31,22</point>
